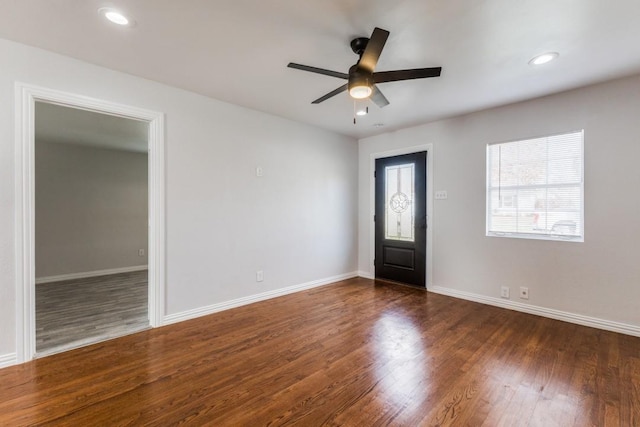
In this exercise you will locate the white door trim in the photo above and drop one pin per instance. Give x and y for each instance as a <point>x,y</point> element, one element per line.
<point>25,97</point>
<point>372,208</point>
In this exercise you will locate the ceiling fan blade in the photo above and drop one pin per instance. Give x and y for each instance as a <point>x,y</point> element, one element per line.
<point>318,70</point>
<point>378,98</point>
<point>372,52</point>
<point>330,94</point>
<point>416,73</point>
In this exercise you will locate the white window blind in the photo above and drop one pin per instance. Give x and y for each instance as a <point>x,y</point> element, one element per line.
<point>535,188</point>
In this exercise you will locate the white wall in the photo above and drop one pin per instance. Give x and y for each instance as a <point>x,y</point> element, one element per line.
<point>598,278</point>
<point>91,208</point>
<point>297,223</point>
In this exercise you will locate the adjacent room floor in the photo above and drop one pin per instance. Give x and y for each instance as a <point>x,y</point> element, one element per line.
<point>72,313</point>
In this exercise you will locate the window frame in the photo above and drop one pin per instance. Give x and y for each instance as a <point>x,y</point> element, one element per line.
<point>535,236</point>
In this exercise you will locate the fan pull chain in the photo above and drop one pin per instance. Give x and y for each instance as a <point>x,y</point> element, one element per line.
<point>354,111</point>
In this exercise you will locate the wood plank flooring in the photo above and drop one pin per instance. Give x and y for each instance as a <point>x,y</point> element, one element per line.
<point>355,353</point>
<point>73,313</point>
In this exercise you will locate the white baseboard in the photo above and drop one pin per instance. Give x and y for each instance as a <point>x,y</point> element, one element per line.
<point>214,308</point>
<point>565,316</point>
<point>366,275</point>
<point>7,360</point>
<point>85,274</point>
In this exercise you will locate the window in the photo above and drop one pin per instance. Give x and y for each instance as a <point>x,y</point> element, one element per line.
<point>535,188</point>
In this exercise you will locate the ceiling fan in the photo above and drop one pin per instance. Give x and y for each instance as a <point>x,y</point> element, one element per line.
<point>361,79</point>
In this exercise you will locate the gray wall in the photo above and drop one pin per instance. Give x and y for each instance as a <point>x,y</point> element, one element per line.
<point>598,278</point>
<point>91,208</point>
<point>297,223</point>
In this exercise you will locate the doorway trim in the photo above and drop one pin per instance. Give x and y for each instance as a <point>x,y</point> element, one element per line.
<point>372,198</point>
<point>26,96</point>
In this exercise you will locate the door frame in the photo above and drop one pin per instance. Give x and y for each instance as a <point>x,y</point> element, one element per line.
<point>26,96</point>
<point>429,200</point>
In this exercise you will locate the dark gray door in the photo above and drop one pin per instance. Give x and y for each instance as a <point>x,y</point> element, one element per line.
<point>401,218</point>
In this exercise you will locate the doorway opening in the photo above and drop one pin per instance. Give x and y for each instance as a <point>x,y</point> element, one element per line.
<point>89,218</point>
<point>91,227</point>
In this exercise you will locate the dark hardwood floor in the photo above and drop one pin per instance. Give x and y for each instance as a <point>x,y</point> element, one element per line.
<point>356,353</point>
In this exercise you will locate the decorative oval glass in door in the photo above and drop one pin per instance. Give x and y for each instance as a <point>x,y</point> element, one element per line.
<point>399,206</point>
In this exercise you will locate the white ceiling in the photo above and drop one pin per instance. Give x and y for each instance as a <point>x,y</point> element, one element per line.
<point>237,50</point>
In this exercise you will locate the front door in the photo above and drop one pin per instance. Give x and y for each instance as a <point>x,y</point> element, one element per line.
<point>401,218</point>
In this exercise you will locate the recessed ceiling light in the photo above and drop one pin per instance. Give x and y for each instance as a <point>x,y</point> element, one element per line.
<point>544,58</point>
<point>115,16</point>
<point>362,111</point>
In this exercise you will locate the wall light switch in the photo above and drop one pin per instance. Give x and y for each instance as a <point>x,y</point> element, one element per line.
<point>259,171</point>
<point>441,194</point>
<point>140,252</point>
<point>259,276</point>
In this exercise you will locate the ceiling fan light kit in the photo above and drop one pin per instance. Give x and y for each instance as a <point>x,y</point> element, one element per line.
<point>360,84</point>
<point>360,91</point>
<point>362,80</point>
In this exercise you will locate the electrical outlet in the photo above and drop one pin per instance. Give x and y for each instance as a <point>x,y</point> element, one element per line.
<point>140,252</point>
<point>441,194</point>
<point>504,292</point>
<point>524,292</point>
<point>259,276</point>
